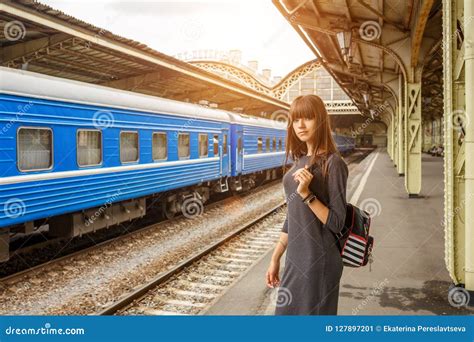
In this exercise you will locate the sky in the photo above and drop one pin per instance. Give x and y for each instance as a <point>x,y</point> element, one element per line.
<point>255,27</point>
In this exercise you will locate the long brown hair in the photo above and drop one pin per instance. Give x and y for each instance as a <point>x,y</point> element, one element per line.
<point>310,107</point>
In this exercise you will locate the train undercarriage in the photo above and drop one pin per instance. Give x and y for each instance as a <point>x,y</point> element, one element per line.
<point>188,201</point>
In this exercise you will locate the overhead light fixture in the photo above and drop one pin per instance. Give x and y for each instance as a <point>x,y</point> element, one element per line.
<point>344,39</point>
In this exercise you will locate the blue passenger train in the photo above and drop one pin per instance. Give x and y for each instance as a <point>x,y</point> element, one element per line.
<point>83,157</point>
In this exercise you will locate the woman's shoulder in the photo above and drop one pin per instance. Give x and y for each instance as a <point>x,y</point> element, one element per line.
<point>336,156</point>
<point>335,160</point>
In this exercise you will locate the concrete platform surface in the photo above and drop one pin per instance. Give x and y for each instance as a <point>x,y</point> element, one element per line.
<point>408,276</point>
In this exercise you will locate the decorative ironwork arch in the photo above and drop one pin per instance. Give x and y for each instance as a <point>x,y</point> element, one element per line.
<point>279,90</point>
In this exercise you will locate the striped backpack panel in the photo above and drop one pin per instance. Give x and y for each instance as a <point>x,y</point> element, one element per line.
<point>354,242</point>
<point>354,251</point>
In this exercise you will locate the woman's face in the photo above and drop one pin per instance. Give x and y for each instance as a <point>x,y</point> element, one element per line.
<point>304,128</point>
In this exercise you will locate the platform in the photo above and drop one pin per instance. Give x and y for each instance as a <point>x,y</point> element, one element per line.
<point>408,276</point>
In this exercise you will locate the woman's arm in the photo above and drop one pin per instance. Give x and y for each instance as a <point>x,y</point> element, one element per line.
<point>280,247</point>
<point>272,276</point>
<point>333,216</point>
<point>318,208</point>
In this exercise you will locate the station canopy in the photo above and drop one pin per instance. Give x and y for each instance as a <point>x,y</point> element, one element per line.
<point>38,38</point>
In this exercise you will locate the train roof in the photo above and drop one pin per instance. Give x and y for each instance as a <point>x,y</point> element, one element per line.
<point>250,120</point>
<point>31,84</point>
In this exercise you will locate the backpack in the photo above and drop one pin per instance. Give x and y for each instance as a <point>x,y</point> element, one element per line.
<point>354,242</point>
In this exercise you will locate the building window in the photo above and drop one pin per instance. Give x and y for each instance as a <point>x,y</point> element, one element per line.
<point>89,147</point>
<point>159,146</point>
<point>203,145</point>
<point>259,145</point>
<point>267,145</point>
<point>35,149</point>
<point>183,145</point>
<point>215,140</point>
<point>129,147</point>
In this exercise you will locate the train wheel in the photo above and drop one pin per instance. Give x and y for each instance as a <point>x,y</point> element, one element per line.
<point>168,210</point>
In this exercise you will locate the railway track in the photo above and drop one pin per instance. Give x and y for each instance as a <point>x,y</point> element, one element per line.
<point>354,158</point>
<point>194,284</point>
<point>56,260</point>
<point>198,279</point>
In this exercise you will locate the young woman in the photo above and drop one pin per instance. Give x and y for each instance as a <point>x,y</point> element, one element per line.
<point>315,189</point>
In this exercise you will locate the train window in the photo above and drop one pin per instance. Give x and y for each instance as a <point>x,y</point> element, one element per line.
<point>89,147</point>
<point>280,146</point>
<point>239,145</point>
<point>259,145</point>
<point>128,147</point>
<point>35,149</point>
<point>274,144</point>
<point>267,145</point>
<point>224,145</point>
<point>159,146</point>
<point>203,145</point>
<point>216,144</point>
<point>183,145</point>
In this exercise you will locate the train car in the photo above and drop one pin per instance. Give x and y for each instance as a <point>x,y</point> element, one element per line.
<point>345,144</point>
<point>85,157</point>
<point>258,147</point>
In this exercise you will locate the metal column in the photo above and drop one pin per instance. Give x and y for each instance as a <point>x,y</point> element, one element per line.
<point>401,152</point>
<point>455,204</point>
<point>395,136</point>
<point>413,139</point>
<point>389,140</point>
<point>469,140</point>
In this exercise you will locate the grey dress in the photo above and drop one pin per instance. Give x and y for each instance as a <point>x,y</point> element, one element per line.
<point>313,266</point>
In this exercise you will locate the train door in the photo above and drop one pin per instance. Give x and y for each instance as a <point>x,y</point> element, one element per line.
<point>225,154</point>
<point>239,150</point>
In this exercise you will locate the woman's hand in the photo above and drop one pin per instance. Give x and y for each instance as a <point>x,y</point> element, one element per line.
<point>273,278</point>
<point>304,177</point>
